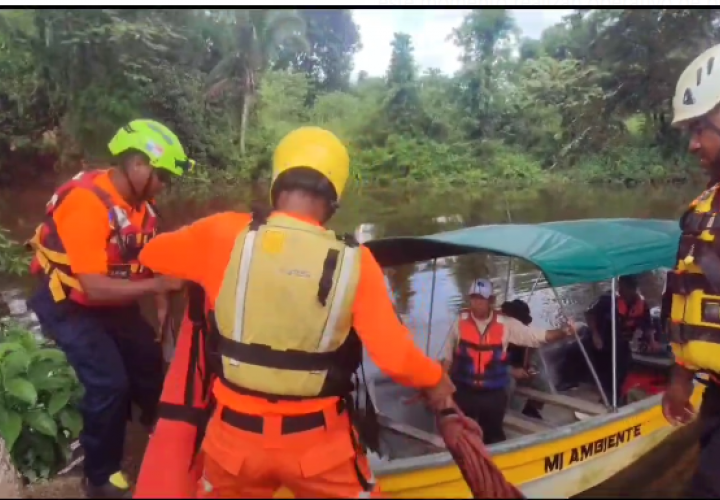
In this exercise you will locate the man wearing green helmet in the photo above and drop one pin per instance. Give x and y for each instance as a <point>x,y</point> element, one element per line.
<point>86,254</point>
<point>161,157</point>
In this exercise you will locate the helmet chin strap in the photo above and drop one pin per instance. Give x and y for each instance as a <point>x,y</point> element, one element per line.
<point>139,199</point>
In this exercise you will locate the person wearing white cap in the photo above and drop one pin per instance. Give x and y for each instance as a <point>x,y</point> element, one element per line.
<point>476,358</point>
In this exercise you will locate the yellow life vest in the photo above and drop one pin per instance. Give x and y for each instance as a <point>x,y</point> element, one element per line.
<point>695,313</point>
<point>283,316</point>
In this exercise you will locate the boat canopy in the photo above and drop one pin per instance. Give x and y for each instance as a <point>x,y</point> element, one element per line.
<point>567,252</point>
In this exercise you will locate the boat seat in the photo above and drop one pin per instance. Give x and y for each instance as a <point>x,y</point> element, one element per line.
<point>409,430</point>
<point>522,424</point>
<point>569,402</point>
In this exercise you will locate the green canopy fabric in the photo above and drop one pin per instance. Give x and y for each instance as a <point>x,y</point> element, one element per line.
<point>567,252</point>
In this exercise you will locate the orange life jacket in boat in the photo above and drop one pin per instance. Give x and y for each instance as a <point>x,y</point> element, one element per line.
<point>480,359</point>
<point>630,317</point>
<point>123,247</point>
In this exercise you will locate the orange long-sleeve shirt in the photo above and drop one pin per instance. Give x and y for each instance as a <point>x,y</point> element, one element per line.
<point>83,225</point>
<point>200,252</point>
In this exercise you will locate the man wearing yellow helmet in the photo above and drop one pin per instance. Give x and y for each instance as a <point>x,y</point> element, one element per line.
<point>276,322</point>
<point>692,297</point>
<point>86,256</point>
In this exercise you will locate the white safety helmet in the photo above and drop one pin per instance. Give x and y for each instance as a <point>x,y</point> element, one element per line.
<point>698,89</point>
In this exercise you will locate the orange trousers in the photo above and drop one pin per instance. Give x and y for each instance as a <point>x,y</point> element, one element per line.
<point>317,463</point>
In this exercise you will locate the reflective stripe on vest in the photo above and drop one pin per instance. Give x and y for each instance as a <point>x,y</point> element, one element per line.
<point>480,359</point>
<point>284,311</point>
<point>123,246</point>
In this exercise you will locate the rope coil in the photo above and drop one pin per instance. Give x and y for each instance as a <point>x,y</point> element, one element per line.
<point>463,438</point>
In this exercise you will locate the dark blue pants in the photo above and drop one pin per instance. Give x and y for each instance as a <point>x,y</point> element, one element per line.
<point>603,365</point>
<point>487,407</point>
<point>116,358</point>
<point>705,483</point>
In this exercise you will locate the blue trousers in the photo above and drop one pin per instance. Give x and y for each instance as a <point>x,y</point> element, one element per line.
<point>116,358</point>
<point>705,483</point>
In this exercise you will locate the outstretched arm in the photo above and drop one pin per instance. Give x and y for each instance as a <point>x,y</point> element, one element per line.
<point>388,342</point>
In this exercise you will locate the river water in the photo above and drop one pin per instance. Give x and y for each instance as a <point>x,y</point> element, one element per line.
<point>377,213</point>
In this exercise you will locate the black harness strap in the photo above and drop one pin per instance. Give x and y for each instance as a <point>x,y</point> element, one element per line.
<point>330,265</point>
<point>326,279</point>
<point>181,413</point>
<point>263,355</point>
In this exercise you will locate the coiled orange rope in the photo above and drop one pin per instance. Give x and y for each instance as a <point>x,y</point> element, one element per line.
<point>463,438</point>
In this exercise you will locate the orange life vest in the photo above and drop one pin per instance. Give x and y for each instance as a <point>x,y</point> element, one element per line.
<point>480,359</point>
<point>123,247</point>
<point>630,317</point>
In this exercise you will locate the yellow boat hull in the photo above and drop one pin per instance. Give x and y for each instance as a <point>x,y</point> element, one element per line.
<point>571,462</point>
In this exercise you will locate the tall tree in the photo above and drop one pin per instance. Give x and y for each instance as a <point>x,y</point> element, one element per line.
<point>486,37</point>
<point>258,35</point>
<point>333,40</point>
<point>402,106</point>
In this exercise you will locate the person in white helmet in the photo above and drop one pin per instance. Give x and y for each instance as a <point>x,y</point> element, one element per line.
<point>692,297</point>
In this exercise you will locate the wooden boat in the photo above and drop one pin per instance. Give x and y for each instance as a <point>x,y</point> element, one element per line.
<point>559,456</point>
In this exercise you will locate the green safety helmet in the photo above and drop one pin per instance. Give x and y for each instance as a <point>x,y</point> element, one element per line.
<point>158,142</point>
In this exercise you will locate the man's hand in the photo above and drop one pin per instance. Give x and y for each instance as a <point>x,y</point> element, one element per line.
<point>571,328</point>
<point>562,332</point>
<point>446,363</point>
<point>676,406</point>
<point>519,373</point>
<point>440,397</point>
<point>654,346</point>
<point>165,284</point>
<point>162,301</point>
<point>436,398</point>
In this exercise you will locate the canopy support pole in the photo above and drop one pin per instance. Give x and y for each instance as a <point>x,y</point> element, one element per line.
<point>613,343</point>
<point>432,303</point>
<point>532,290</point>
<point>506,295</point>
<point>582,349</point>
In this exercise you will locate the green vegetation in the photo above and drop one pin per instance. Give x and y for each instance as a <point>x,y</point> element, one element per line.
<point>38,396</point>
<point>14,260</point>
<point>589,100</point>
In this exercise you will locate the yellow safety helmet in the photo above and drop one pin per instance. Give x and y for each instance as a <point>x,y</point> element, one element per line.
<point>315,148</point>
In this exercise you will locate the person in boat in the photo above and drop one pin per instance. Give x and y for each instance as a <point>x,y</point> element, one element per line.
<point>519,358</point>
<point>691,301</point>
<point>476,358</point>
<point>632,314</point>
<point>90,281</point>
<point>287,306</point>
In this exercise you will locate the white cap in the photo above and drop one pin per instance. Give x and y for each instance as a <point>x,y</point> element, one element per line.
<point>481,287</point>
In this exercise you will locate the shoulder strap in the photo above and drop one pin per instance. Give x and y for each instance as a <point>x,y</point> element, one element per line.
<point>259,218</point>
<point>84,181</point>
<point>330,265</point>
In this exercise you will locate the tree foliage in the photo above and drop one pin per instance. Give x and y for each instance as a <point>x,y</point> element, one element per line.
<point>589,99</point>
